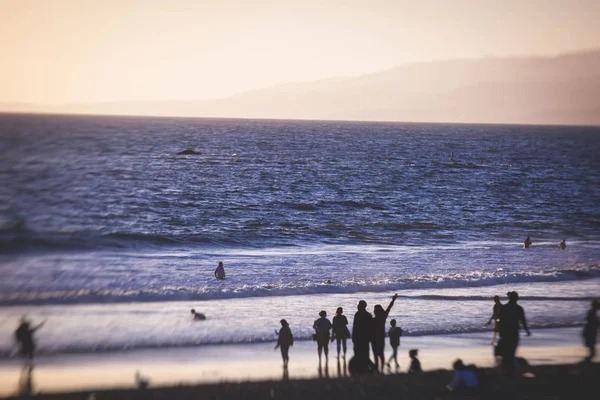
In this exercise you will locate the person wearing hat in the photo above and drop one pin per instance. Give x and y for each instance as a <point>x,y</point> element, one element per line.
<point>322,326</point>
<point>512,316</point>
<point>284,341</point>
<point>590,330</point>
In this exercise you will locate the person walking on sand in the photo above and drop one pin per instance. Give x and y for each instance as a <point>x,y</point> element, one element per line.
<point>285,339</point>
<point>340,330</point>
<point>394,334</point>
<point>590,330</point>
<point>511,316</point>
<point>322,326</point>
<point>362,331</point>
<point>495,317</point>
<point>563,244</point>
<point>527,243</point>
<point>220,271</point>
<point>24,335</point>
<point>378,340</point>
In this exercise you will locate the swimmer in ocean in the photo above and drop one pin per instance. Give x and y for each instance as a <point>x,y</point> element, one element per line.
<point>562,245</point>
<point>220,271</point>
<point>198,316</point>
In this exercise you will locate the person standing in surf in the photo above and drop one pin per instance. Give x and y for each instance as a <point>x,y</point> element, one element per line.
<point>340,330</point>
<point>590,330</point>
<point>285,339</point>
<point>563,244</point>
<point>511,316</point>
<point>495,317</point>
<point>24,335</point>
<point>322,326</point>
<point>527,243</point>
<point>220,271</point>
<point>378,339</point>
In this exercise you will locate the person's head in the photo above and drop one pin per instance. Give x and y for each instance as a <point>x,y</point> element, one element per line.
<point>413,353</point>
<point>193,311</point>
<point>283,322</point>
<point>513,297</point>
<point>496,299</point>
<point>458,364</point>
<point>322,314</point>
<point>378,310</point>
<point>362,305</point>
<point>339,311</point>
<point>393,322</point>
<point>220,263</point>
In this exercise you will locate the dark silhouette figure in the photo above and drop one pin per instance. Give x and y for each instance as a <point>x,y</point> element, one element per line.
<point>25,388</point>
<point>220,271</point>
<point>465,377</point>
<point>590,330</point>
<point>527,243</point>
<point>197,316</point>
<point>322,326</point>
<point>340,330</point>
<point>562,245</point>
<point>495,317</point>
<point>378,340</point>
<point>415,364</point>
<point>284,341</point>
<point>362,331</point>
<point>140,381</point>
<point>188,152</point>
<point>511,316</point>
<point>24,335</point>
<point>394,334</point>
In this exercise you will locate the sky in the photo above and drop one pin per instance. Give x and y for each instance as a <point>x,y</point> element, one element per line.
<point>84,51</point>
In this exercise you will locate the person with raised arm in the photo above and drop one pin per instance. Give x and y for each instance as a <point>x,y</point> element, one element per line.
<point>378,340</point>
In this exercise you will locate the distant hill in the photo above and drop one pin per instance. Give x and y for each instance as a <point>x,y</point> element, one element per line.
<point>539,90</point>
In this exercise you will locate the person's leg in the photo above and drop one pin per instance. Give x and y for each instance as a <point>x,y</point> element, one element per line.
<point>508,355</point>
<point>343,346</point>
<point>326,347</point>
<point>338,342</point>
<point>319,348</point>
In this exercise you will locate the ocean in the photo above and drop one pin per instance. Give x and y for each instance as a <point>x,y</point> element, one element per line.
<point>112,237</point>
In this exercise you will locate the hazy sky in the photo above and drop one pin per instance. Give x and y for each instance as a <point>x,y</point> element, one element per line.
<point>62,51</point>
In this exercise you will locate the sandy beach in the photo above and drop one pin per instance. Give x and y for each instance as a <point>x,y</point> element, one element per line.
<point>260,362</point>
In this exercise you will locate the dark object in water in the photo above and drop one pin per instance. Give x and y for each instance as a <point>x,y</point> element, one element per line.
<point>188,152</point>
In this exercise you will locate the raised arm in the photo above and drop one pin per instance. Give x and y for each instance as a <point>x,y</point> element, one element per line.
<point>39,326</point>
<point>389,307</point>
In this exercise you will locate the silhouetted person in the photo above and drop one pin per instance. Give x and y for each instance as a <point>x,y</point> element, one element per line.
<point>285,339</point>
<point>24,335</point>
<point>220,271</point>
<point>362,331</point>
<point>590,330</point>
<point>511,316</point>
<point>464,378</point>
<point>562,245</point>
<point>340,330</point>
<point>495,317</point>
<point>378,340</point>
<point>527,243</point>
<point>322,327</point>
<point>197,316</point>
<point>394,334</point>
<point>25,388</point>
<point>415,364</point>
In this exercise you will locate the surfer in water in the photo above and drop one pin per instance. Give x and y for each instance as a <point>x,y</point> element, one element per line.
<point>220,271</point>
<point>562,245</point>
<point>198,316</point>
<point>527,243</point>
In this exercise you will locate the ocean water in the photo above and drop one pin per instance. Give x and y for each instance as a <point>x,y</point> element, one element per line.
<point>112,237</point>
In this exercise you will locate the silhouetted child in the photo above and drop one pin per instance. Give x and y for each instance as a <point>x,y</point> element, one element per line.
<point>394,334</point>
<point>24,335</point>
<point>198,316</point>
<point>590,330</point>
<point>284,341</point>
<point>415,364</point>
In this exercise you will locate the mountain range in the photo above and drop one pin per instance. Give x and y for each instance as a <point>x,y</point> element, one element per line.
<point>563,89</point>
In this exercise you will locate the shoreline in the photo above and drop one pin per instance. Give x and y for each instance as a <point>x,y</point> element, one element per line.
<point>235,364</point>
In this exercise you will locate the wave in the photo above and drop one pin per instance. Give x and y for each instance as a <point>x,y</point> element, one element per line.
<point>279,289</point>
<point>108,347</point>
